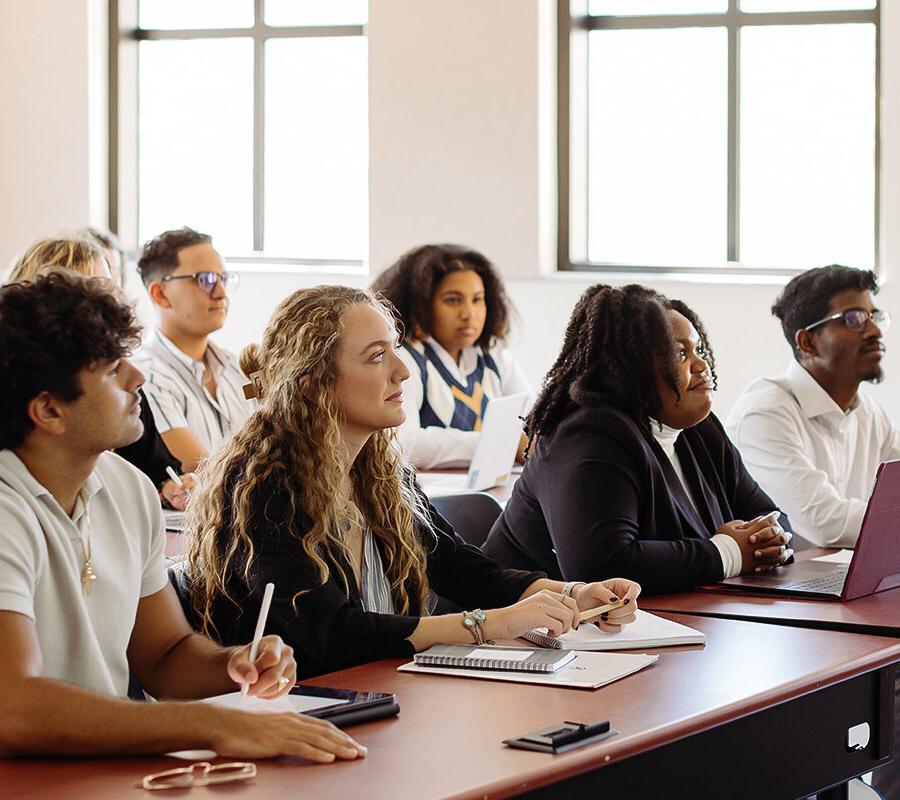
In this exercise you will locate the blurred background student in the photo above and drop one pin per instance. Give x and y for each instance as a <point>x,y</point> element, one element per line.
<point>455,320</point>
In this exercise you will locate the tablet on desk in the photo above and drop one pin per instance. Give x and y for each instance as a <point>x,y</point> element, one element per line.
<point>346,706</point>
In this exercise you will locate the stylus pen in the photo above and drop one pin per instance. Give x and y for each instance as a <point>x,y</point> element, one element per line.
<point>176,479</point>
<point>260,626</point>
<point>596,612</point>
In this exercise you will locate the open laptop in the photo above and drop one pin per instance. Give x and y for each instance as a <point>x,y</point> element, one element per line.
<point>494,455</point>
<point>875,565</point>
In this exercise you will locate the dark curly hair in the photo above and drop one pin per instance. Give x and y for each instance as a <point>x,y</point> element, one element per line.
<point>159,256</point>
<point>51,328</point>
<point>616,342</point>
<point>806,297</point>
<point>409,286</point>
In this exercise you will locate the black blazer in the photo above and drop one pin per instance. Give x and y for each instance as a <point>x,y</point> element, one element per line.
<point>597,500</point>
<point>326,626</point>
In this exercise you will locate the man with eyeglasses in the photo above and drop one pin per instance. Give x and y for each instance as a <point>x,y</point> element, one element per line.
<point>810,437</point>
<point>194,387</point>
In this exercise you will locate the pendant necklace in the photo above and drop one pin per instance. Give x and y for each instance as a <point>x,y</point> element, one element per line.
<point>88,576</point>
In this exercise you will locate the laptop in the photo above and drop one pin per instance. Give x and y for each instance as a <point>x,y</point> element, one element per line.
<point>495,454</point>
<point>874,567</point>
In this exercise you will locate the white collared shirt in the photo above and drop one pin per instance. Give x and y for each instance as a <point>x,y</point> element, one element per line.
<point>816,462</point>
<point>431,447</point>
<point>83,637</point>
<point>178,398</point>
<point>729,549</point>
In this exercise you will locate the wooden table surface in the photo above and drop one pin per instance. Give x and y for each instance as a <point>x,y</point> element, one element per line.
<point>446,741</point>
<point>877,614</point>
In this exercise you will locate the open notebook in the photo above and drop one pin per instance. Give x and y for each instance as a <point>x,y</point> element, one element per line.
<point>646,631</point>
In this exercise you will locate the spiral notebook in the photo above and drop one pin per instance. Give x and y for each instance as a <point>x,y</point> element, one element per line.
<point>463,656</point>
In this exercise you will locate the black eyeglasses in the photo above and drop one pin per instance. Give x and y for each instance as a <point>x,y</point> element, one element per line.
<point>856,319</point>
<point>208,280</point>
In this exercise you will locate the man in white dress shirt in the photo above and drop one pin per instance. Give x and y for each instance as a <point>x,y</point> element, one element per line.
<point>811,437</point>
<point>84,596</point>
<point>194,387</point>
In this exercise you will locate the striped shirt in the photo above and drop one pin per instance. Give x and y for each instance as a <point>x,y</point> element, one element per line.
<point>176,394</point>
<point>376,590</point>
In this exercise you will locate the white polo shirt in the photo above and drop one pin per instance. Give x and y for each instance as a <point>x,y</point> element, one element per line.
<point>178,398</point>
<point>815,461</point>
<point>83,638</point>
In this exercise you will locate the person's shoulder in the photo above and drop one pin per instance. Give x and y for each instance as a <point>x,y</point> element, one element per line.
<point>126,481</point>
<point>590,426</point>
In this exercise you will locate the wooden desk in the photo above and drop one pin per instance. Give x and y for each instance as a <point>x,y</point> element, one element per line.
<point>699,720</point>
<point>877,614</point>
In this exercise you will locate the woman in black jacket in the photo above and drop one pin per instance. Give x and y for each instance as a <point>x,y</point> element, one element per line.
<point>311,495</point>
<point>629,471</point>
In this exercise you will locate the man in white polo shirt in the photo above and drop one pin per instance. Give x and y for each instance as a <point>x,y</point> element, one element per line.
<point>810,437</point>
<point>84,596</point>
<point>194,387</point>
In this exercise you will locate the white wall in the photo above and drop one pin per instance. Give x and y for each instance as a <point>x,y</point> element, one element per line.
<point>461,148</point>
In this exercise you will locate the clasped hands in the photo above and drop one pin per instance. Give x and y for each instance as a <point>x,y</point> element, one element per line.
<point>762,540</point>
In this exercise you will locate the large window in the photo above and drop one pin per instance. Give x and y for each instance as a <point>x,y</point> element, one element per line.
<point>732,135</point>
<point>246,119</point>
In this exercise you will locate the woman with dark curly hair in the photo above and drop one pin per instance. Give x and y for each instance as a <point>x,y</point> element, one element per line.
<point>628,470</point>
<point>455,317</point>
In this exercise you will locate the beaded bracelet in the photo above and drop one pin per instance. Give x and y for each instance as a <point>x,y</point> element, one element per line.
<point>474,622</point>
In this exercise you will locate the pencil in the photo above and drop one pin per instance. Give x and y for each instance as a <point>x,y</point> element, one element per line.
<point>584,616</point>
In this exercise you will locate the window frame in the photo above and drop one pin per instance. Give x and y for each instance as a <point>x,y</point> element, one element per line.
<point>574,23</point>
<point>123,190</point>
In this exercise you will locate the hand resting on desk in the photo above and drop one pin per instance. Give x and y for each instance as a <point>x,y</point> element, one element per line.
<point>763,543</point>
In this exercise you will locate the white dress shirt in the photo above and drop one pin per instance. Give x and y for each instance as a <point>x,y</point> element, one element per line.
<point>816,462</point>
<point>178,398</point>
<point>432,446</point>
<point>729,550</point>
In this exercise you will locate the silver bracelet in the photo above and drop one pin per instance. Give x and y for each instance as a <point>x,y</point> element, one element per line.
<point>474,622</point>
<point>569,587</point>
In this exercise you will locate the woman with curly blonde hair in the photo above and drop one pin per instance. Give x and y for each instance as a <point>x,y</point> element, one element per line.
<point>312,495</point>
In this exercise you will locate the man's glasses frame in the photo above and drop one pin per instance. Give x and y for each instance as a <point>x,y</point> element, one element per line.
<point>856,319</point>
<point>201,773</point>
<point>208,280</point>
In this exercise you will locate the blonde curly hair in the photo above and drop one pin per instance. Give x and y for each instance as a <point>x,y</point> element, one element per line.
<point>291,446</point>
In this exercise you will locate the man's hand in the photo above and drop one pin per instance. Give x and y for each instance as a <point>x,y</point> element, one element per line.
<point>272,674</point>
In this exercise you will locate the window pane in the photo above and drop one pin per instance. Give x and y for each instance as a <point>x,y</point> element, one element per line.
<point>643,7</point>
<point>805,5</point>
<point>196,139</point>
<point>317,147</point>
<point>317,12</point>
<point>808,145</point>
<point>657,143</point>
<point>177,14</point>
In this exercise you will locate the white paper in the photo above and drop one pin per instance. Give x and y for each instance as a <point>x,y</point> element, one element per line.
<point>840,557</point>
<point>647,630</point>
<point>492,653</point>
<point>586,671</point>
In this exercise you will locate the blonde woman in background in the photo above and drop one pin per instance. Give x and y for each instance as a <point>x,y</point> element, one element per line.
<point>88,257</point>
<point>311,495</point>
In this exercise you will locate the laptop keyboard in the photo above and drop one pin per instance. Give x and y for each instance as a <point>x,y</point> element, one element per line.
<point>832,583</point>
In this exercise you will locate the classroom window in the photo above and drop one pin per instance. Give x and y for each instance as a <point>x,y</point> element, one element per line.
<point>246,119</point>
<point>723,135</point>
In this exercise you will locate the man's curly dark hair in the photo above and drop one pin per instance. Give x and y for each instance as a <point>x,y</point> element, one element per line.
<point>51,329</point>
<point>410,283</point>
<point>806,297</point>
<point>617,341</point>
<point>159,256</point>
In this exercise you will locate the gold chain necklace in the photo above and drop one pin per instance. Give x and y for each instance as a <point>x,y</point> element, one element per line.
<point>88,576</point>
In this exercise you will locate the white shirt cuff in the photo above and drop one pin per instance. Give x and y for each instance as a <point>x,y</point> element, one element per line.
<point>730,553</point>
